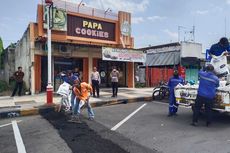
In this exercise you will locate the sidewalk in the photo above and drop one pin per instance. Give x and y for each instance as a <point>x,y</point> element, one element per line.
<point>33,104</point>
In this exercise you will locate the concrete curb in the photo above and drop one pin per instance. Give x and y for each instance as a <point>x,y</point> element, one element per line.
<point>26,112</point>
<point>47,108</point>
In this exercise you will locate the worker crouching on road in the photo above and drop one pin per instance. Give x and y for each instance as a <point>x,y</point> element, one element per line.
<point>173,82</point>
<point>81,90</point>
<point>206,94</point>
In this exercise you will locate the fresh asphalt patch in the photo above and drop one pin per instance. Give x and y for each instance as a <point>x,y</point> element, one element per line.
<point>91,137</point>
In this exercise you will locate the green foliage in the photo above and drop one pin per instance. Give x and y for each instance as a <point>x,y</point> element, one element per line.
<point>140,85</point>
<point>3,86</point>
<point>1,53</point>
<point>1,46</point>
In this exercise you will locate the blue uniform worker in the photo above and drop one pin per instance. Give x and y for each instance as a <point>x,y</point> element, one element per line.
<point>206,94</point>
<point>220,47</point>
<point>173,82</point>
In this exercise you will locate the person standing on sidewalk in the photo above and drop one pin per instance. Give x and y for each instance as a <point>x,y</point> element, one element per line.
<point>114,80</point>
<point>18,76</point>
<point>96,80</point>
<point>173,82</point>
<point>209,82</point>
<point>81,91</point>
<point>76,72</point>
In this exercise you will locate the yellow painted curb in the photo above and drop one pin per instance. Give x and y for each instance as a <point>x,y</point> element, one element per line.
<point>147,98</point>
<point>112,102</point>
<point>132,100</point>
<point>27,112</point>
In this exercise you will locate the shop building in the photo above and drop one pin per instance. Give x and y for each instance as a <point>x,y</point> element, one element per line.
<point>81,37</point>
<point>161,60</point>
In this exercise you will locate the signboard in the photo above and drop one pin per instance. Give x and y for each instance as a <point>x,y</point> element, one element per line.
<point>126,28</point>
<point>59,20</point>
<point>207,56</point>
<point>127,55</point>
<point>90,28</point>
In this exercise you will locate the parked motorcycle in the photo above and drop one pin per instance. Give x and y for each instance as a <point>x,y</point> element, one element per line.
<point>161,92</point>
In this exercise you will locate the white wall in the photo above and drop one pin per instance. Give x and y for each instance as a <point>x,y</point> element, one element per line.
<point>9,64</point>
<point>189,49</point>
<point>23,57</point>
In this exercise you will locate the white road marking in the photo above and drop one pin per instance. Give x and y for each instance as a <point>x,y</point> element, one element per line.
<point>8,124</point>
<point>127,118</point>
<point>18,138</point>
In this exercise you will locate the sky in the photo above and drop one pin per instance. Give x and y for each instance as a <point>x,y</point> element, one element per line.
<point>154,22</point>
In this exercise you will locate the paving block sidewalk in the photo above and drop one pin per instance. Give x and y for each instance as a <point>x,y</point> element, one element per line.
<point>33,104</point>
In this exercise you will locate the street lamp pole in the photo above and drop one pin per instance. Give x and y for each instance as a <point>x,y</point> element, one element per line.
<point>106,11</point>
<point>49,88</point>
<point>79,6</point>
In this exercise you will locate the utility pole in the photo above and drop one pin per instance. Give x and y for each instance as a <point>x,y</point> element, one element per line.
<point>49,88</point>
<point>193,33</point>
<point>225,26</point>
<point>186,30</point>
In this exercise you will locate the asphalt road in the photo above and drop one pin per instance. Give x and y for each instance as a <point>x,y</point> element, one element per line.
<point>151,128</point>
<point>135,128</point>
<point>37,134</point>
<point>51,133</point>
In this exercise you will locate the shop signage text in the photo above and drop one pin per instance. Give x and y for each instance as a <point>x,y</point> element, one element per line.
<point>128,55</point>
<point>90,28</point>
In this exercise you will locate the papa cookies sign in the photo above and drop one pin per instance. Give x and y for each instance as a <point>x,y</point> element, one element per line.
<point>90,28</point>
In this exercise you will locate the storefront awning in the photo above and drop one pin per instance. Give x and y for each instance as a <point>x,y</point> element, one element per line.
<point>163,58</point>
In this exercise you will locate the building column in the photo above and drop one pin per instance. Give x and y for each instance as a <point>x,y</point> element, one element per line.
<point>37,72</point>
<point>130,74</point>
<point>31,67</point>
<point>90,67</point>
<point>85,75</point>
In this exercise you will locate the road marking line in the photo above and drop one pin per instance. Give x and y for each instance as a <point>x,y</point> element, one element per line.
<point>5,125</point>
<point>127,118</point>
<point>8,124</point>
<point>18,138</point>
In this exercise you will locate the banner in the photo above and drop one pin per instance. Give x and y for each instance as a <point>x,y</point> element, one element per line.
<point>126,28</point>
<point>127,55</point>
<point>59,19</point>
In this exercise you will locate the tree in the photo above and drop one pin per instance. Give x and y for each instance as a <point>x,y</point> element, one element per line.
<point>1,53</point>
<point>1,45</point>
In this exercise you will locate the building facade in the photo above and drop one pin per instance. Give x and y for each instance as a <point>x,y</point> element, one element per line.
<point>82,37</point>
<point>9,63</point>
<point>161,60</point>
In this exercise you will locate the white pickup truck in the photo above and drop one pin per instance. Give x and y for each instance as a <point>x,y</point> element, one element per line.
<point>186,95</point>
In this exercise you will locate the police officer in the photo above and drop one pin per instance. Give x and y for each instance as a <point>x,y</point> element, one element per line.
<point>173,82</point>
<point>206,94</point>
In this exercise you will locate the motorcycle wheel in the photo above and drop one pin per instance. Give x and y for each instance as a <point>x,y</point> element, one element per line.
<point>157,95</point>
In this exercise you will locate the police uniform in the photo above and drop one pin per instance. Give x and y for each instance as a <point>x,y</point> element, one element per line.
<point>173,82</point>
<point>206,94</point>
